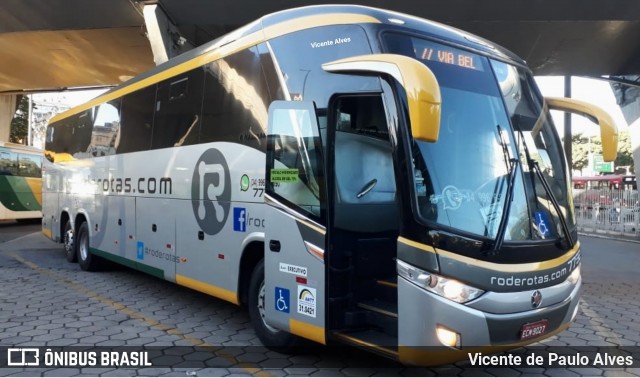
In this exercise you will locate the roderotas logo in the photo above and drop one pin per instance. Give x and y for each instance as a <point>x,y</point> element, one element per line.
<point>211,191</point>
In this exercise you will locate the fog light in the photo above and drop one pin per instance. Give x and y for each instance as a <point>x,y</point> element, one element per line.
<point>447,337</point>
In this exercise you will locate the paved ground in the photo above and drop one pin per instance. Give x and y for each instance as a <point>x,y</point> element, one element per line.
<point>45,301</point>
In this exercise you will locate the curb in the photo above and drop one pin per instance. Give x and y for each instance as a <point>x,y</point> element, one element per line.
<point>609,237</point>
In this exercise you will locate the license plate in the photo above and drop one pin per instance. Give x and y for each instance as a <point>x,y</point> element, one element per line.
<point>531,330</point>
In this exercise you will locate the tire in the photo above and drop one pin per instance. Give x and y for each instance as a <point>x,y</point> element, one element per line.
<point>69,243</point>
<point>86,260</point>
<point>269,336</point>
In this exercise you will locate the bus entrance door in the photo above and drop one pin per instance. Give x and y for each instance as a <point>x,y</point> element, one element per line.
<point>294,296</point>
<point>363,230</point>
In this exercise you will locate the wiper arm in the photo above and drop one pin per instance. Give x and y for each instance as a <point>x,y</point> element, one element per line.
<point>554,202</point>
<point>534,166</point>
<point>504,219</point>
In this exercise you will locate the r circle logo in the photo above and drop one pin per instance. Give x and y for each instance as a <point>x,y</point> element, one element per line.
<point>211,191</point>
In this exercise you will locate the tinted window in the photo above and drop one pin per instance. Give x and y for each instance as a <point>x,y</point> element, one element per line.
<point>8,163</point>
<point>235,101</point>
<point>178,107</point>
<point>106,129</point>
<point>461,181</point>
<point>300,57</point>
<point>81,126</point>
<point>71,136</point>
<point>276,91</point>
<point>29,165</point>
<point>294,158</point>
<point>137,120</point>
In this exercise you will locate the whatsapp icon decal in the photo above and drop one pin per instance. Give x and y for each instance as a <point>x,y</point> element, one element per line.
<point>244,183</point>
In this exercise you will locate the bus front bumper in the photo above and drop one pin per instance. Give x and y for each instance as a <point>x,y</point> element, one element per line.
<point>422,313</point>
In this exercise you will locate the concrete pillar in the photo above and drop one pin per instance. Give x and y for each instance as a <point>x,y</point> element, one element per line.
<point>632,115</point>
<point>7,110</point>
<point>628,97</point>
<point>567,127</point>
<point>164,37</point>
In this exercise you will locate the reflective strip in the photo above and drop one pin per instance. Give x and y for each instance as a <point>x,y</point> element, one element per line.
<point>307,330</point>
<point>424,247</point>
<point>206,288</point>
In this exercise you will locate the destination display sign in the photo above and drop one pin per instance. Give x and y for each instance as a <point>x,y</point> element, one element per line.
<point>447,55</point>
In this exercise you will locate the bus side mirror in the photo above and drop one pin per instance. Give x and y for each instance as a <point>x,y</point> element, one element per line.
<point>608,128</point>
<point>420,84</point>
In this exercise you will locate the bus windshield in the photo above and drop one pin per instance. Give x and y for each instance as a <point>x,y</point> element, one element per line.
<point>493,130</point>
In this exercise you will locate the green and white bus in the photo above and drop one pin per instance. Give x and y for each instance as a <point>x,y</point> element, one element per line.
<point>20,182</point>
<point>349,174</point>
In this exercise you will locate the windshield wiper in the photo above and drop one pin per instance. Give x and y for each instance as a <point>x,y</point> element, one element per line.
<point>534,166</point>
<point>511,175</point>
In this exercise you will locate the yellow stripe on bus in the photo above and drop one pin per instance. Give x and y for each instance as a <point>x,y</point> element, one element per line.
<point>35,184</point>
<point>47,232</point>
<point>307,330</point>
<point>206,288</point>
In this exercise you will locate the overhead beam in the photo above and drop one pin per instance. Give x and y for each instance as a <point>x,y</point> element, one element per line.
<point>72,58</point>
<point>164,37</point>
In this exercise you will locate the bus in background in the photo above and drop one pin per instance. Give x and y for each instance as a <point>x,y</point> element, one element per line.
<point>20,182</point>
<point>349,174</point>
<point>608,182</point>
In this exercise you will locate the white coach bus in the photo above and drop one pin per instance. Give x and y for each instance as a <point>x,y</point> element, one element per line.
<point>349,174</point>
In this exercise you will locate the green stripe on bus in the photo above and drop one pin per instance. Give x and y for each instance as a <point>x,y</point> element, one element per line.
<point>16,194</point>
<point>159,273</point>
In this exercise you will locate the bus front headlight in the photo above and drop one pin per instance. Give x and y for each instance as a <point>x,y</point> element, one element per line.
<point>445,287</point>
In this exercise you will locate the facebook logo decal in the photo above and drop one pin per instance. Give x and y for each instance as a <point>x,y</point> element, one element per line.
<point>240,219</point>
<point>140,250</point>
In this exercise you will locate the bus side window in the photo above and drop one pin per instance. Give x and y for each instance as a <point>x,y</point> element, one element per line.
<point>177,112</point>
<point>8,163</point>
<point>29,165</point>
<point>106,129</point>
<point>137,120</point>
<point>235,101</point>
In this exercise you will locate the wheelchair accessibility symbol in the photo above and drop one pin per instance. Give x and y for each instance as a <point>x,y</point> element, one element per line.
<point>282,299</point>
<point>543,224</point>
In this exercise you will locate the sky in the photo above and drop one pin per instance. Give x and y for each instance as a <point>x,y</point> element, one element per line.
<point>68,99</point>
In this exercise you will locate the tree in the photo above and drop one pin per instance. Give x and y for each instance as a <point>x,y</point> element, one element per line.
<point>580,152</point>
<point>581,146</point>
<point>20,122</point>
<point>625,153</point>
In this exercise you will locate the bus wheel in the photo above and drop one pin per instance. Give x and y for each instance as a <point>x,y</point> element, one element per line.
<point>67,241</point>
<point>271,337</point>
<point>86,260</point>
